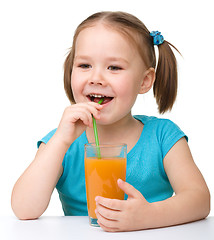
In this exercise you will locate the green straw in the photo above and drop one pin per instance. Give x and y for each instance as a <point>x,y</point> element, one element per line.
<point>96,134</point>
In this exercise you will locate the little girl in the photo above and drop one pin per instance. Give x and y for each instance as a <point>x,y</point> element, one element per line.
<point>113,58</point>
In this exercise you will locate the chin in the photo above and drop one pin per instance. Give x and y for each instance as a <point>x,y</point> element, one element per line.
<point>105,121</point>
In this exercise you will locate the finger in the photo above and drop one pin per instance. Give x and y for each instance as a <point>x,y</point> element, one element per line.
<point>106,222</point>
<point>83,116</point>
<point>128,189</point>
<point>107,213</point>
<point>92,109</point>
<point>88,105</point>
<point>107,229</point>
<point>97,105</point>
<point>113,204</point>
<point>85,113</point>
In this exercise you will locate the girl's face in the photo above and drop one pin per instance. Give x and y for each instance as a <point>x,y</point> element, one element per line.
<point>107,65</point>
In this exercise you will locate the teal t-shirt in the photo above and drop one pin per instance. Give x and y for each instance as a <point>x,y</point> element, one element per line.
<point>145,170</point>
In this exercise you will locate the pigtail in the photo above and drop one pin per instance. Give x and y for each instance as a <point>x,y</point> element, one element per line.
<point>165,86</point>
<point>67,76</point>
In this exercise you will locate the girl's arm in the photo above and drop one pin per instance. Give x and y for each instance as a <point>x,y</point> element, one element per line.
<point>192,198</point>
<point>191,201</point>
<point>32,192</point>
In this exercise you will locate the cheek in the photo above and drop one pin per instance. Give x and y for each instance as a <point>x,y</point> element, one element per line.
<point>75,86</point>
<point>127,90</point>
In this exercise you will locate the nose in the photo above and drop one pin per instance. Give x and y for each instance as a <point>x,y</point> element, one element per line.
<point>97,78</point>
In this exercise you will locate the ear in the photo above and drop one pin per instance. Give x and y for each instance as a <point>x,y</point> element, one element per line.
<point>148,80</point>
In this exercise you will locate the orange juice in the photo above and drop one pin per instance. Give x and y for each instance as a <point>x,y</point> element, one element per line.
<point>101,175</point>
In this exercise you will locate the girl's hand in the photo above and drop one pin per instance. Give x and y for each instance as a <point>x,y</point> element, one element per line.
<point>75,119</point>
<point>123,215</point>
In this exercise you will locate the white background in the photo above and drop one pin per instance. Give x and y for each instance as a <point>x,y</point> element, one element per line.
<point>35,37</point>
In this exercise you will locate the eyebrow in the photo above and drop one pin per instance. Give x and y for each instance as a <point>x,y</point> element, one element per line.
<point>85,57</point>
<point>117,59</point>
<point>81,57</point>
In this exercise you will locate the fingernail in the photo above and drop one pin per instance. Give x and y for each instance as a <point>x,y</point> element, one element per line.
<point>119,180</point>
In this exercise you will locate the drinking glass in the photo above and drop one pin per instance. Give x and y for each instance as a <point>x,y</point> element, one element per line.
<point>104,165</point>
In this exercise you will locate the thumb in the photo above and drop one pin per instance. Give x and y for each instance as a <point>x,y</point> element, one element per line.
<point>129,189</point>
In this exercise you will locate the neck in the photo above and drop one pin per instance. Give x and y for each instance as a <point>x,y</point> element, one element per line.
<point>118,132</point>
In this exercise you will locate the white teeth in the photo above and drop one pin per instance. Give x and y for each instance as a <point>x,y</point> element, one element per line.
<point>96,95</point>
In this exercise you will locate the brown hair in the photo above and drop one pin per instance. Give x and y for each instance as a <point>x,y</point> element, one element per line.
<point>165,85</point>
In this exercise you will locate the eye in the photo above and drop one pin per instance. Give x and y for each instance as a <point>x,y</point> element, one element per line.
<point>85,66</point>
<point>114,68</point>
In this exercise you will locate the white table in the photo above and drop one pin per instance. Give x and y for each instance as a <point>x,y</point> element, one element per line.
<point>63,228</point>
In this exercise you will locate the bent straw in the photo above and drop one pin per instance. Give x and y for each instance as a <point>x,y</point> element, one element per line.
<point>96,134</point>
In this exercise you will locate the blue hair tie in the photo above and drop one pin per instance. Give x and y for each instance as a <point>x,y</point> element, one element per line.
<point>157,37</point>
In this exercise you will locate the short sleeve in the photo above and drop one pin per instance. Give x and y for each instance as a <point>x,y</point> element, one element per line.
<point>46,138</point>
<point>170,133</point>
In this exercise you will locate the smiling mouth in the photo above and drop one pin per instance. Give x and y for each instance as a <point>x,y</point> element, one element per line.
<point>97,97</point>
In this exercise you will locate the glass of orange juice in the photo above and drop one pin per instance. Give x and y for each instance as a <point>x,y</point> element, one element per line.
<point>104,165</point>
